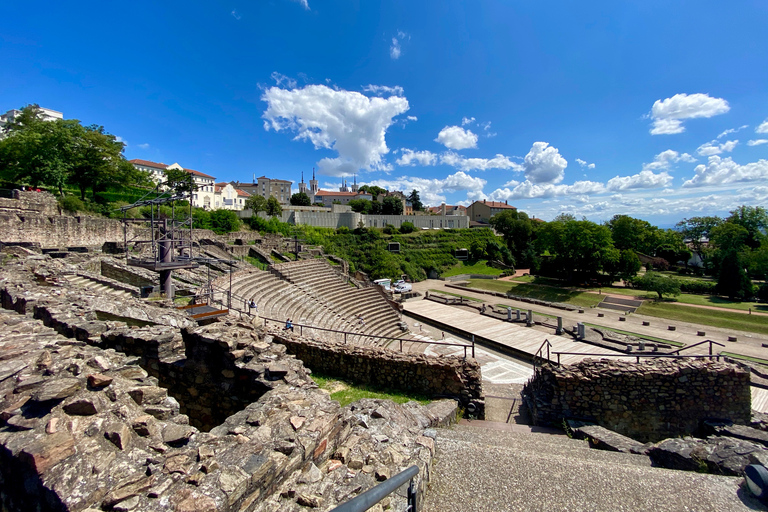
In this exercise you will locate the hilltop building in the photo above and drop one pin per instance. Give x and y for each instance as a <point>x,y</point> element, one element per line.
<point>45,114</point>
<point>482,211</point>
<point>313,187</point>
<point>446,209</point>
<point>266,187</point>
<point>203,197</point>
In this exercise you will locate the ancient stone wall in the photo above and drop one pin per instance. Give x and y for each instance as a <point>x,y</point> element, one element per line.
<point>135,276</point>
<point>648,401</point>
<point>413,373</point>
<point>92,412</point>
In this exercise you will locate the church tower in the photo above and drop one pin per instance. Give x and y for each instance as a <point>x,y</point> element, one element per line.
<point>313,184</point>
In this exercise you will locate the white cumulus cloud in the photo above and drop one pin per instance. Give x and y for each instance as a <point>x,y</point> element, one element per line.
<point>763,128</point>
<point>643,179</point>
<point>544,164</point>
<point>478,164</point>
<point>396,48</point>
<point>732,130</point>
<point>665,159</point>
<point>381,90</point>
<point>584,164</point>
<point>668,114</point>
<point>456,137</point>
<point>347,122</point>
<point>723,171</point>
<point>411,157</point>
<point>432,191</point>
<point>526,190</point>
<point>713,148</point>
<point>467,120</point>
<point>757,142</point>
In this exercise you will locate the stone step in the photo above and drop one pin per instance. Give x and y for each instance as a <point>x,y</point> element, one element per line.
<point>519,441</point>
<point>482,470</point>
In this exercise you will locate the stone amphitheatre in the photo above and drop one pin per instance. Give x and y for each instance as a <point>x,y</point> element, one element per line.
<point>115,397</point>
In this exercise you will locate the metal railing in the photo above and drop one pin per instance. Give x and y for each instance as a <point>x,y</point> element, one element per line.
<point>697,344</point>
<point>638,356</point>
<point>372,496</point>
<point>364,335</point>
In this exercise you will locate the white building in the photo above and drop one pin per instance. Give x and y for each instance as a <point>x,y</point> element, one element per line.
<point>228,197</point>
<point>45,114</point>
<point>203,197</point>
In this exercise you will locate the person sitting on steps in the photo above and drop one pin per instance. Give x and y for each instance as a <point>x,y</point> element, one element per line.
<point>288,325</point>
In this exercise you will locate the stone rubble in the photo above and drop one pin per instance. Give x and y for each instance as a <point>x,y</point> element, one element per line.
<point>85,425</point>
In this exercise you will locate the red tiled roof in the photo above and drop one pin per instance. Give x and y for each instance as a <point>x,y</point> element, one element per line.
<point>147,163</point>
<point>198,173</point>
<point>243,193</point>
<point>497,204</point>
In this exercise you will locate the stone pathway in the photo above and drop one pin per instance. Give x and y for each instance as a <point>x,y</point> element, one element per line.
<point>481,469</point>
<point>496,368</point>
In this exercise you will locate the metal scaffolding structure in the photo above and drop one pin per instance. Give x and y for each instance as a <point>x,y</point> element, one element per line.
<point>170,239</point>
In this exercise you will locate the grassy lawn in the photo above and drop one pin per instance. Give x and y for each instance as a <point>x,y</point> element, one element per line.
<point>524,279</point>
<point>636,335</point>
<point>548,293</point>
<point>456,295</point>
<point>722,319</point>
<point>473,267</point>
<point>345,392</point>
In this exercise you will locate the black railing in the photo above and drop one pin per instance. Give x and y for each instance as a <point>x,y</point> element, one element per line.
<point>638,356</point>
<point>364,335</point>
<point>369,498</point>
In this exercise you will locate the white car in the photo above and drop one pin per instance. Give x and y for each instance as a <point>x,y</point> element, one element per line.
<point>403,287</point>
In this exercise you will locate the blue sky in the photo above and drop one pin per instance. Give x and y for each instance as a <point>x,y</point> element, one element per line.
<point>653,109</point>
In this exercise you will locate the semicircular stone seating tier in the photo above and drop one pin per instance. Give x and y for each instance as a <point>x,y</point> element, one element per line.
<point>280,299</point>
<point>311,292</point>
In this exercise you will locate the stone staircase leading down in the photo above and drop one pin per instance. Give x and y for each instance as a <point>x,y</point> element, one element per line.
<point>102,286</point>
<point>511,467</point>
<point>626,304</point>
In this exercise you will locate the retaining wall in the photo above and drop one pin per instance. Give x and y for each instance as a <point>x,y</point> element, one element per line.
<point>647,401</point>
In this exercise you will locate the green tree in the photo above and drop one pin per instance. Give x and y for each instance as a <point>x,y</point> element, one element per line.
<point>180,180</point>
<point>752,218</point>
<point>300,199</point>
<point>582,248</point>
<point>224,221</point>
<point>38,152</point>
<point>256,204</point>
<point>373,190</point>
<point>629,265</point>
<point>696,229</point>
<point>273,207</point>
<point>407,227</point>
<point>361,205</point>
<point>392,205</point>
<point>517,230</point>
<point>415,201</point>
<point>658,283</point>
<point>732,279</point>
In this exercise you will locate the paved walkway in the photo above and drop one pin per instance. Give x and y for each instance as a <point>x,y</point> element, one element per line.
<point>495,368</point>
<point>749,344</point>
<point>521,341</point>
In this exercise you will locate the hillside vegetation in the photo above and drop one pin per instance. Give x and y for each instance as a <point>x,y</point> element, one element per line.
<point>420,251</point>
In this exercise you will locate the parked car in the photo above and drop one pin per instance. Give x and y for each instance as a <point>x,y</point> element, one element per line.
<point>403,287</point>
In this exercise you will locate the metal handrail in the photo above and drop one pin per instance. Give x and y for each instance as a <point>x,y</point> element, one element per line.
<point>374,495</point>
<point>697,344</point>
<point>345,333</point>
<point>637,356</point>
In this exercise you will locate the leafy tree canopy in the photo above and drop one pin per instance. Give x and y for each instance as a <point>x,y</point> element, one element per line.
<point>658,283</point>
<point>415,200</point>
<point>392,205</point>
<point>300,199</point>
<point>273,207</point>
<point>256,203</point>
